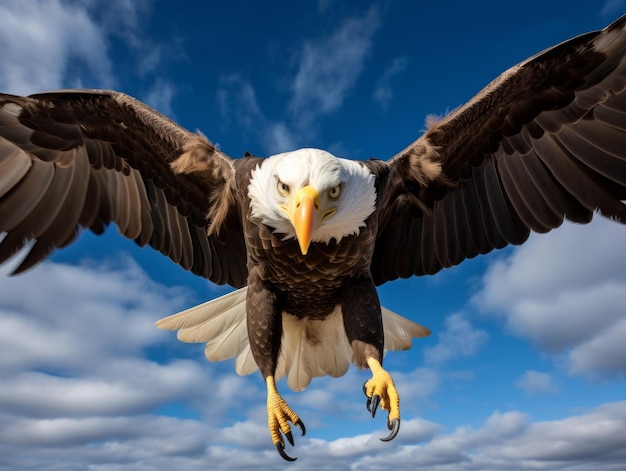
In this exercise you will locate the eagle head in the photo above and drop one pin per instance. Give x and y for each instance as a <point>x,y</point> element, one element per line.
<point>312,196</point>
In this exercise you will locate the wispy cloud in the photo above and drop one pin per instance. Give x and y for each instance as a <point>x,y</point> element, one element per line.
<point>602,355</point>
<point>237,99</point>
<point>76,314</point>
<point>509,441</point>
<point>238,102</point>
<point>122,18</point>
<point>39,38</point>
<point>536,382</point>
<point>564,291</point>
<point>100,400</point>
<point>324,6</point>
<point>75,373</point>
<point>329,67</point>
<point>327,70</point>
<point>613,8</point>
<point>280,138</point>
<point>459,339</point>
<point>51,44</point>
<point>239,108</point>
<point>383,92</point>
<point>160,96</point>
<point>506,440</point>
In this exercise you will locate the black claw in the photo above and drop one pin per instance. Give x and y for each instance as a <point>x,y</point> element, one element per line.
<point>280,448</point>
<point>289,438</point>
<point>300,424</point>
<point>394,426</point>
<point>375,402</point>
<point>368,404</point>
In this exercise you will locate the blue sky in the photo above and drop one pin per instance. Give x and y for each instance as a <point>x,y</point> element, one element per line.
<point>526,366</point>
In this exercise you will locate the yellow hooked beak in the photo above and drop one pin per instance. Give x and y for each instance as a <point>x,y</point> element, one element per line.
<point>305,217</point>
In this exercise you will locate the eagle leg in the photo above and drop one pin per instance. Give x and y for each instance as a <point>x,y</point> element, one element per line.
<point>279,414</point>
<point>380,390</point>
<point>264,320</point>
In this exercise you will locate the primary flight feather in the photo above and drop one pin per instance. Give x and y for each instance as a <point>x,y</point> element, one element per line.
<point>307,236</point>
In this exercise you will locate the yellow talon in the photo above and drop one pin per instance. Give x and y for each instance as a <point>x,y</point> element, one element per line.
<point>380,389</point>
<point>279,414</point>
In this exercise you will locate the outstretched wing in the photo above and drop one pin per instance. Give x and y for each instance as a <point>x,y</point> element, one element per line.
<point>545,141</point>
<point>85,158</point>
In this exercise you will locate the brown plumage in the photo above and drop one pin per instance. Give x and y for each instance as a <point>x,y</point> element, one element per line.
<point>544,142</point>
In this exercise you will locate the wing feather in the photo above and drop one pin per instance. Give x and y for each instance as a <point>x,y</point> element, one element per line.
<point>88,158</point>
<point>576,180</point>
<point>175,241</point>
<point>526,201</point>
<point>543,142</point>
<point>471,213</point>
<point>64,227</point>
<point>461,242</point>
<point>41,217</point>
<point>597,147</point>
<point>21,201</point>
<point>13,166</point>
<point>429,262</point>
<point>508,223</point>
<point>559,201</point>
<point>441,227</point>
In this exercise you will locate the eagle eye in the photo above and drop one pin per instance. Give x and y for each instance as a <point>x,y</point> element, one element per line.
<point>283,188</point>
<point>334,192</point>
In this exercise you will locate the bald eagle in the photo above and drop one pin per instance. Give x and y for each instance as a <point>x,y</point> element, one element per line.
<point>306,236</point>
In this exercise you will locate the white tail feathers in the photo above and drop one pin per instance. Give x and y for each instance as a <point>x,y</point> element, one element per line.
<point>399,331</point>
<point>313,348</point>
<point>220,322</point>
<point>309,348</point>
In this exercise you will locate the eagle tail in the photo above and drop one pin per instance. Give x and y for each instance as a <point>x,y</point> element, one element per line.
<point>313,347</point>
<point>309,348</point>
<point>399,331</point>
<point>221,323</point>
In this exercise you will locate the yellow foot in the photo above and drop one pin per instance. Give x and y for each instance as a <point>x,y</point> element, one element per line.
<point>279,414</point>
<point>380,390</point>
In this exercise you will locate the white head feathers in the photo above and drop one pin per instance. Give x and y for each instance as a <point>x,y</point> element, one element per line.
<point>323,171</point>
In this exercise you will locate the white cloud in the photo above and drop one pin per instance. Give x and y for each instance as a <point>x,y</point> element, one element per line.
<point>92,405</point>
<point>604,354</point>
<point>328,68</point>
<point>120,17</point>
<point>383,93</point>
<point>417,386</point>
<point>52,44</point>
<point>38,38</point>
<point>76,380</point>
<point>595,436</point>
<point>536,382</point>
<point>459,339</point>
<point>121,387</point>
<point>594,440</point>
<point>76,317</point>
<point>237,102</point>
<point>280,139</point>
<point>160,97</point>
<point>323,6</point>
<point>564,291</point>
<point>239,108</point>
<point>76,348</point>
<point>613,8</point>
